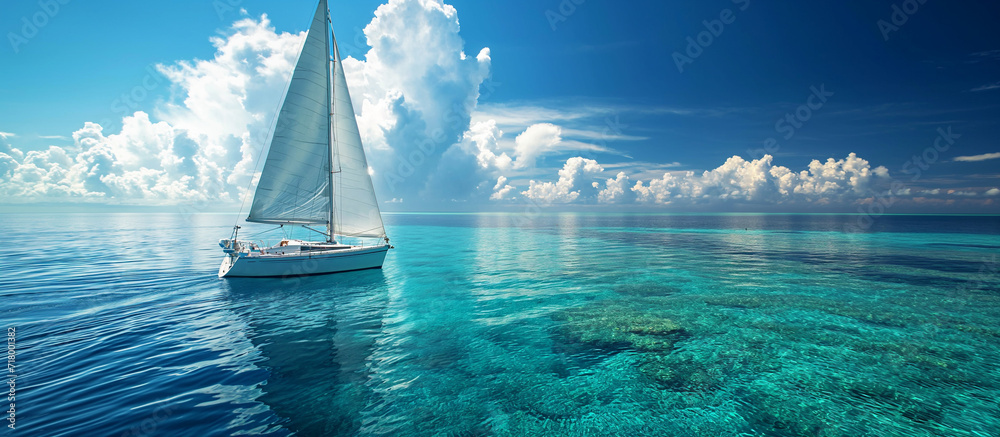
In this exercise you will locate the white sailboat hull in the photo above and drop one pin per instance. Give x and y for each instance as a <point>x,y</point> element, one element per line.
<point>302,264</point>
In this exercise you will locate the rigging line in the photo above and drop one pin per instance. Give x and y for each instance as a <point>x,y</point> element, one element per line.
<point>270,128</point>
<point>255,234</point>
<point>357,234</point>
<point>338,193</point>
<point>311,229</point>
<point>336,214</point>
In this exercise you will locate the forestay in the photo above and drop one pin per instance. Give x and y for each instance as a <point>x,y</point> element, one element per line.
<point>355,205</point>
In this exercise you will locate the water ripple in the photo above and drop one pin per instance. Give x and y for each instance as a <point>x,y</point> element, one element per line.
<point>508,325</point>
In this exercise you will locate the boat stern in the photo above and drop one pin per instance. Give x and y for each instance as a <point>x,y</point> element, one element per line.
<point>227,265</point>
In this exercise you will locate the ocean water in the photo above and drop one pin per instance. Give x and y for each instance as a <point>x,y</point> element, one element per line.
<point>543,324</point>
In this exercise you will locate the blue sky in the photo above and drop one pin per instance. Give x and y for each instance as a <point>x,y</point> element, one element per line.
<point>596,81</point>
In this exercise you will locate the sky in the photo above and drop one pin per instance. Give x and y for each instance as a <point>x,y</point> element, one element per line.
<point>869,107</point>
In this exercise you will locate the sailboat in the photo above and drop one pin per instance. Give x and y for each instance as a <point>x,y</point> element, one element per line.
<point>315,175</point>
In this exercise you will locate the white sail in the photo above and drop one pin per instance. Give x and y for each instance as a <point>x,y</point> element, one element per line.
<point>355,206</point>
<point>315,173</point>
<point>294,185</point>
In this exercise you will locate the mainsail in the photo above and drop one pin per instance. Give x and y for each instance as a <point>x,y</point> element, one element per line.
<point>294,185</point>
<point>316,171</point>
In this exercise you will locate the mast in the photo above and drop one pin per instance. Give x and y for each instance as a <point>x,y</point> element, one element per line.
<point>328,28</point>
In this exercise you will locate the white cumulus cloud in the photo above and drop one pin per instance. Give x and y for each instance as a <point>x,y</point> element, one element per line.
<point>7,148</point>
<point>413,93</point>
<point>481,140</point>
<point>761,181</point>
<point>572,180</point>
<point>617,190</point>
<point>534,141</point>
<point>416,93</point>
<point>501,190</point>
<point>198,145</point>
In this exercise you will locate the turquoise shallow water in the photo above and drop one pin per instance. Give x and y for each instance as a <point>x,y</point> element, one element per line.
<point>567,324</point>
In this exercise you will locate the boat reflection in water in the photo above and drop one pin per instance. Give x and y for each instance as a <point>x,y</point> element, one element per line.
<point>317,345</point>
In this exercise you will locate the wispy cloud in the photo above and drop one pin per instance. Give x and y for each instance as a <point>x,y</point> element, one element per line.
<point>962,193</point>
<point>584,134</point>
<point>513,115</point>
<point>643,164</point>
<point>578,146</point>
<point>985,56</point>
<point>53,137</point>
<point>645,170</point>
<point>907,110</point>
<point>987,87</point>
<point>977,158</point>
<point>7,134</point>
<point>526,113</point>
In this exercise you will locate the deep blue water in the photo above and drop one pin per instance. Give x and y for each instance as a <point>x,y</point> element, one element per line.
<point>562,324</point>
